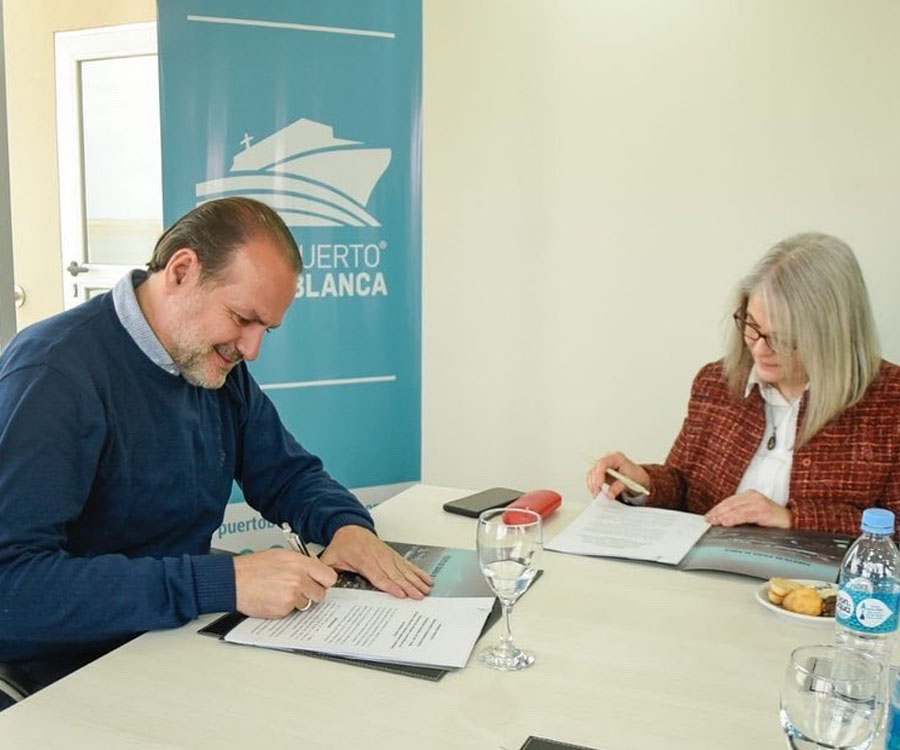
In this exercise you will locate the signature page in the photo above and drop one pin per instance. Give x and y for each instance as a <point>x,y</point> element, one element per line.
<point>436,631</point>
<point>607,528</point>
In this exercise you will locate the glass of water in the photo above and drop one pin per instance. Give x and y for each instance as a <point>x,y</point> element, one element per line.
<point>831,698</point>
<point>509,544</point>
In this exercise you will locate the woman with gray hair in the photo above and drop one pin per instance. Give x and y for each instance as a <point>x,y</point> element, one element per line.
<point>799,424</point>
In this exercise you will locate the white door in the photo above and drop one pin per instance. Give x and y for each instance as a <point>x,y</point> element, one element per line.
<point>110,176</point>
<point>7,281</point>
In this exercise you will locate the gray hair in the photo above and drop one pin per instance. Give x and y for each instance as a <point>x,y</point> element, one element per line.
<point>816,300</point>
<point>214,230</point>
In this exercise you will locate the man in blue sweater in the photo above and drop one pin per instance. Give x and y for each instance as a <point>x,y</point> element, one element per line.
<point>123,424</point>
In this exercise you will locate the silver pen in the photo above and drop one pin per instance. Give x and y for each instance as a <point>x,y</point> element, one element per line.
<point>629,483</point>
<point>295,541</point>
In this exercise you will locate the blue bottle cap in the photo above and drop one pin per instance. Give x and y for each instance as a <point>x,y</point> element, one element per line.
<point>878,521</point>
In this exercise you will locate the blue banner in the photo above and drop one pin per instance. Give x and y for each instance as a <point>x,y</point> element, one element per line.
<point>314,107</point>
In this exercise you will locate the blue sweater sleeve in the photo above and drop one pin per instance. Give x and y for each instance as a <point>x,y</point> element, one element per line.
<point>53,432</point>
<point>283,481</point>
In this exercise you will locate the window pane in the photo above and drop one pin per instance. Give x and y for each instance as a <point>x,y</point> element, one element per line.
<point>94,291</point>
<point>122,172</point>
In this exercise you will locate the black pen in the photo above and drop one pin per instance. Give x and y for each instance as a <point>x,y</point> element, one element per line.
<point>295,541</point>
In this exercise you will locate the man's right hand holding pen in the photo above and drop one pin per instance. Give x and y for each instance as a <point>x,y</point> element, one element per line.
<point>275,582</point>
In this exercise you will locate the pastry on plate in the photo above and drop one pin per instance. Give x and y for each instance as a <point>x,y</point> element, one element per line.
<point>803,601</point>
<point>780,588</point>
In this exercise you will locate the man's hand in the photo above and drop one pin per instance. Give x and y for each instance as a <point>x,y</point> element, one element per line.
<point>596,477</point>
<point>275,582</point>
<point>357,549</point>
<point>750,507</point>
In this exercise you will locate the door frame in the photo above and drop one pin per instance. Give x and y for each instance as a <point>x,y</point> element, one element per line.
<point>79,277</point>
<point>7,276</point>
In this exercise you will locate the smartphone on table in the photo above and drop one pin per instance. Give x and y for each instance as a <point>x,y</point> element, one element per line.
<point>473,505</point>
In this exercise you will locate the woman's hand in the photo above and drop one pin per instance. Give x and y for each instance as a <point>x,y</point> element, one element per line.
<point>750,507</point>
<point>596,477</point>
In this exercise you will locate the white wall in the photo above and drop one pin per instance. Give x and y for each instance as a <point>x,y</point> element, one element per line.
<point>599,174</point>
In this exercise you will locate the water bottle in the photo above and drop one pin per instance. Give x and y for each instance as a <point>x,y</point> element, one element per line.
<point>869,595</point>
<point>893,730</point>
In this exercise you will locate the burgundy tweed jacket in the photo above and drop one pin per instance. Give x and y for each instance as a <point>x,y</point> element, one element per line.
<point>853,463</point>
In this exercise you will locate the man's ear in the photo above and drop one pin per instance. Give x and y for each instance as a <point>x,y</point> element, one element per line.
<point>183,267</point>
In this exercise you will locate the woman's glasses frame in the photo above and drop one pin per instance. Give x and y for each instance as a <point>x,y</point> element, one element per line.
<point>750,331</point>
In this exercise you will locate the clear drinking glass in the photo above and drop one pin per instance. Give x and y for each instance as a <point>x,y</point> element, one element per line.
<point>831,698</point>
<point>509,544</point>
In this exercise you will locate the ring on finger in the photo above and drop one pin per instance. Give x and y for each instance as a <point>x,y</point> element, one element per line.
<point>305,606</point>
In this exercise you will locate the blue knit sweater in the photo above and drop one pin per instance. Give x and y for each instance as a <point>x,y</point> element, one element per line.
<point>114,474</point>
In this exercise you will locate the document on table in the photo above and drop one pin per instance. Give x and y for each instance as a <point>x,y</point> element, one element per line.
<point>608,528</point>
<point>372,625</point>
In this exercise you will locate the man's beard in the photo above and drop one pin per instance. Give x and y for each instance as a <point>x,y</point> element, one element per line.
<point>198,366</point>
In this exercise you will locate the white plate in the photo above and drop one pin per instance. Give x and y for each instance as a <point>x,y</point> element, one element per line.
<point>762,596</point>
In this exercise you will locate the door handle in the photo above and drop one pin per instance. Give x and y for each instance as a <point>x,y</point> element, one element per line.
<point>76,268</point>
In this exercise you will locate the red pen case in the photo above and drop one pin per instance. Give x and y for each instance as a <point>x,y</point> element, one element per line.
<point>542,502</point>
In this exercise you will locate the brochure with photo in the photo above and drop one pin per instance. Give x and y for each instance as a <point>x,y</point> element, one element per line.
<point>766,553</point>
<point>607,528</point>
<point>455,571</point>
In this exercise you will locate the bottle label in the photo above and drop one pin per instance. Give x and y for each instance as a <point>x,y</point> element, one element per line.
<point>866,611</point>
<point>893,731</point>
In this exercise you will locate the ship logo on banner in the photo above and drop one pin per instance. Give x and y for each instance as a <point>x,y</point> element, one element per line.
<point>311,178</point>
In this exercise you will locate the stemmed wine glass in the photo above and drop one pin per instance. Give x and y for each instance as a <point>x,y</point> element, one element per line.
<point>831,698</point>
<point>509,545</point>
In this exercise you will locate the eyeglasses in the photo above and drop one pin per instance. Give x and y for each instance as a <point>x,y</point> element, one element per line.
<point>750,331</point>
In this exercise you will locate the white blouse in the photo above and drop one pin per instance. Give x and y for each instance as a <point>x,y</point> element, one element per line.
<point>769,471</point>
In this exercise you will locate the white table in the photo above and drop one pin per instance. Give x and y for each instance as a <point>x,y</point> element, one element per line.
<point>630,656</point>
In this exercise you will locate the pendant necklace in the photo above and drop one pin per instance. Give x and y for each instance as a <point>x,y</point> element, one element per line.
<point>773,441</point>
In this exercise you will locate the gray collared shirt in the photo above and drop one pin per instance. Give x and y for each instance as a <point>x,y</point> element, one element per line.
<point>133,320</point>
